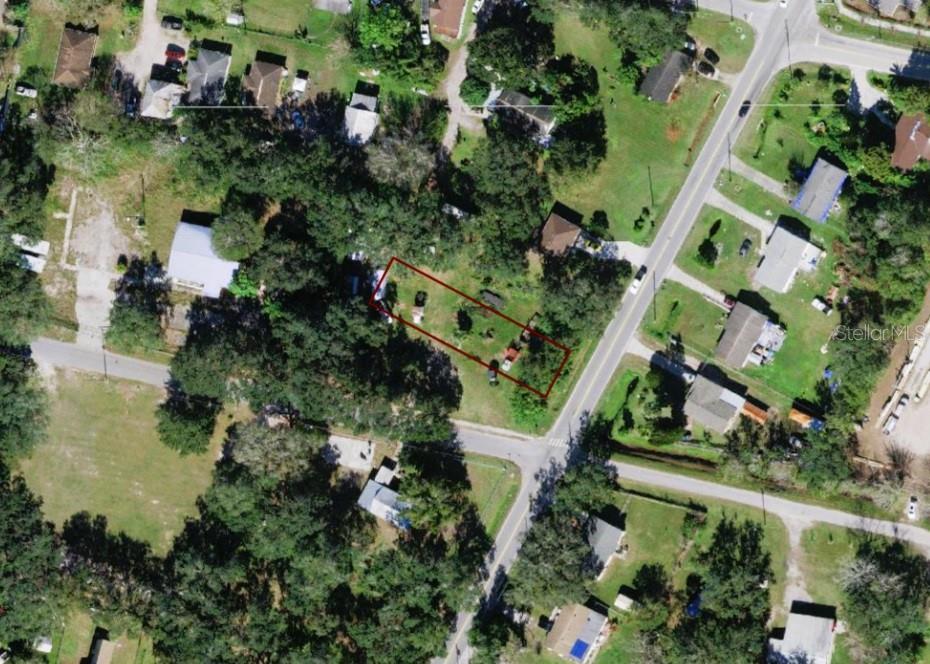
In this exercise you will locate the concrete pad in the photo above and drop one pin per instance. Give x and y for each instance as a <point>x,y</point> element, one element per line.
<point>352,453</point>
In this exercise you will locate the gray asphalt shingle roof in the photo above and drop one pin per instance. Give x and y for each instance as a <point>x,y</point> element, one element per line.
<point>712,405</point>
<point>206,76</point>
<point>662,79</point>
<point>820,190</point>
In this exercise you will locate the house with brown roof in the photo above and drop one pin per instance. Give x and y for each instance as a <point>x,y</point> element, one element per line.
<point>558,233</point>
<point>446,17</point>
<point>578,633</point>
<point>75,55</point>
<point>911,141</point>
<point>264,80</point>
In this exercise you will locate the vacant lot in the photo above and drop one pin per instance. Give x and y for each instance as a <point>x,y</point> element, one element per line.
<point>775,138</point>
<point>494,487</point>
<point>680,313</point>
<point>103,455</point>
<point>648,144</point>
<point>730,272</point>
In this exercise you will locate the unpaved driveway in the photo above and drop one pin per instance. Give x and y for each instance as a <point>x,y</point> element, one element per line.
<point>95,246</point>
<point>460,113</point>
<point>151,45</point>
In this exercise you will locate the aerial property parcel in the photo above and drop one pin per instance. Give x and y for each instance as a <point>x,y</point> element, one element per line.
<point>405,293</point>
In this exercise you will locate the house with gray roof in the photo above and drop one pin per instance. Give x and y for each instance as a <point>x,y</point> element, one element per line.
<point>808,636</point>
<point>606,539</point>
<point>749,337</point>
<point>712,405</point>
<point>541,116</point>
<point>662,80</point>
<point>383,502</point>
<point>577,633</point>
<point>361,117</point>
<point>160,99</point>
<point>786,252</point>
<point>889,8</point>
<point>206,76</point>
<point>819,192</point>
<point>194,265</point>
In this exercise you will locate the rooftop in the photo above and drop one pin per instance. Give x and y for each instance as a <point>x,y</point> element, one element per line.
<point>605,539</point>
<point>575,633</point>
<point>75,54</point>
<point>160,99</point>
<point>911,141</point>
<point>194,262</point>
<point>206,75</point>
<point>263,82</point>
<point>558,234</point>
<point>712,405</point>
<point>541,115</point>
<point>662,79</point>
<point>748,336</point>
<point>785,253</point>
<point>808,636</point>
<point>820,191</point>
<point>446,17</point>
<point>361,118</point>
<point>383,503</point>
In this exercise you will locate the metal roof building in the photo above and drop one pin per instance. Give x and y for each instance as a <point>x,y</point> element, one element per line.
<point>712,405</point>
<point>785,254</point>
<point>820,191</point>
<point>361,118</point>
<point>807,638</point>
<point>605,539</point>
<point>194,264</point>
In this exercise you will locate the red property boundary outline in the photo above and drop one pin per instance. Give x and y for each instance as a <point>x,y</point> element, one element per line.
<point>523,326</point>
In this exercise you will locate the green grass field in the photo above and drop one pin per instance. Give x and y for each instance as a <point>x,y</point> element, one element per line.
<point>646,141</point>
<point>680,312</point>
<point>775,135</point>
<point>103,455</point>
<point>732,40</point>
<point>731,272</point>
<point>832,19</point>
<point>494,487</point>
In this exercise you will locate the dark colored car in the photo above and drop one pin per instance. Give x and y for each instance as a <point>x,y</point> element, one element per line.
<point>744,108</point>
<point>172,23</point>
<point>745,247</point>
<point>711,56</point>
<point>706,69</point>
<point>729,302</point>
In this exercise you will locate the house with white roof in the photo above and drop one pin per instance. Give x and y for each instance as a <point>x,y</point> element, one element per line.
<point>161,98</point>
<point>383,502</point>
<point>808,636</point>
<point>785,254</point>
<point>194,265</point>
<point>361,116</point>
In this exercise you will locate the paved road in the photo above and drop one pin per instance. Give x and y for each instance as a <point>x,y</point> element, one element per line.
<point>61,354</point>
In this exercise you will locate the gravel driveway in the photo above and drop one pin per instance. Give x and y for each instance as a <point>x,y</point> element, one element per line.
<point>151,45</point>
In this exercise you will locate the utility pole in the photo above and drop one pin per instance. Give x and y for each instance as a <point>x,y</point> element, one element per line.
<point>788,43</point>
<point>652,195</point>
<point>731,11</point>
<point>729,161</point>
<point>762,491</point>
<point>655,316</point>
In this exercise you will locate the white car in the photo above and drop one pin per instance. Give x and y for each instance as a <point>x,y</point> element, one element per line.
<point>476,6</point>
<point>26,91</point>
<point>902,404</point>
<point>424,34</point>
<point>912,509</point>
<point>890,424</point>
<point>637,281</point>
<point>782,3</point>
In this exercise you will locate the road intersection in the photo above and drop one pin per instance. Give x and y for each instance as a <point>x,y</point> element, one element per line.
<point>784,37</point>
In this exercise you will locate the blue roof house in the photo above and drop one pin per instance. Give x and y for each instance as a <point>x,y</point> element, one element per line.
<point>820,191</point>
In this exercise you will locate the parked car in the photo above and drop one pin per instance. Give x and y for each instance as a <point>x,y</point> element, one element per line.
<point>476,6</point>
<point>424,34</point>
<point>711,56</point>
<point>821,305</point>
<point>706,69</point>
<point>172,23</point>
<point>729,301</point>
<point>782,3</point>
<point>24,90</point>
<point>174,52</point>
<point>745,247</point>
<point>912,509</point>
<point>744,108</point>
<point>637,280</point>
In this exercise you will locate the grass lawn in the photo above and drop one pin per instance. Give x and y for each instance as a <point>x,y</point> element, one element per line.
<point>494,487</point>
<point>72,643</point>
<point>103,455</point>
<point>682,313</point>
<point>645,140</point>
<point>775,137</point>
<point>731,273</point>
<point>731,40</point>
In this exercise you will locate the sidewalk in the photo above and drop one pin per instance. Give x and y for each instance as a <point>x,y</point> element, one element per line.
<point>678,275</point>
